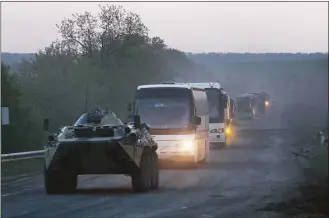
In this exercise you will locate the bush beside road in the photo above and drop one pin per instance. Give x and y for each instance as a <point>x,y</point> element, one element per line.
<point>21,168</point>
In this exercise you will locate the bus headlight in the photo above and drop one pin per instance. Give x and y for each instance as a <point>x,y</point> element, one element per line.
<point>267,103</point>
<point>228,131</point>
<point>187,146</point>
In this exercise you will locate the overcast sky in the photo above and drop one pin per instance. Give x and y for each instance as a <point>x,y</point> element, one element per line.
<point>191,27</point>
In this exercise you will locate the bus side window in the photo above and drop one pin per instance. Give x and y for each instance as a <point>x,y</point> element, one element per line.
<point>224,99</point>
<point>201,108</point>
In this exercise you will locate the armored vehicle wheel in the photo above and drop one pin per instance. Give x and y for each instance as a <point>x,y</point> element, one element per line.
<point>149,171</point>
<point>57,182</point>
<point>141,179</point>
<point>155,171</point>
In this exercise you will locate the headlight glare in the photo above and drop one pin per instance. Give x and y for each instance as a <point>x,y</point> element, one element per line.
<point>228,131</point>
<point>267,103</point>
<point>187,145</point>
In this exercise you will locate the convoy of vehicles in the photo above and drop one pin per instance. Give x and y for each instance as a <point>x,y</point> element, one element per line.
<point>174,122</point>
<point>99,143</point>
<point>178,119</point>
<point>219,112</point>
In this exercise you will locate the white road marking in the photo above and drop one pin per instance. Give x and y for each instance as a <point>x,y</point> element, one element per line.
<point>15,193</point>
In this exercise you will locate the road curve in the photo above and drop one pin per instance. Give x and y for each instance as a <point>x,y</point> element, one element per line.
<point>255,170</point>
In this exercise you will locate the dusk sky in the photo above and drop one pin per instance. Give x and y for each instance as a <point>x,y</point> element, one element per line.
<point>190,27</point>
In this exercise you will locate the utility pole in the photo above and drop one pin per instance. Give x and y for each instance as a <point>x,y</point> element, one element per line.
<point>87,85</point>
<point>4,116</point>
<point>86,94</point>
<point>325,129</point>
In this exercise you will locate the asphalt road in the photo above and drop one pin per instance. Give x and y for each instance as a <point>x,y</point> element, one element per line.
<point>247,179</point>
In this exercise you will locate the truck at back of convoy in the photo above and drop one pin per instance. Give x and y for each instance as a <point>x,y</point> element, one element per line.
<point>262,102</point>
<point>245,107</point>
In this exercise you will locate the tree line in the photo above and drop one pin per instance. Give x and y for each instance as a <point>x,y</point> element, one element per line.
<point>14,58</point>
<point>98,61</point>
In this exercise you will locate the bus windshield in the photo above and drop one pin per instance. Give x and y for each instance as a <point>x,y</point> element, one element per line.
<point>216,109</point>
<point>243,104</point>
<point>164,109</point>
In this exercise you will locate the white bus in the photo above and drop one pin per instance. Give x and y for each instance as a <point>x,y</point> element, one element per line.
<point>177,115</point>
<point>219,112</point>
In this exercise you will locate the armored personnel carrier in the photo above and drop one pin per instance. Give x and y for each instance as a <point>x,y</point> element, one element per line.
<point>99,143</point>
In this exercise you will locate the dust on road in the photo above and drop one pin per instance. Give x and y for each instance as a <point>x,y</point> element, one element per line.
<point>255,176</point>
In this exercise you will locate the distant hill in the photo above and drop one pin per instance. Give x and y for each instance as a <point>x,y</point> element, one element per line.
<point>202,58</point>
<point>210,58</point>
<point>15,58</point>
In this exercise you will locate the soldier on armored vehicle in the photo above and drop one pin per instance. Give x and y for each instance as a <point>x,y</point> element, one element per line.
<point>99,143</point>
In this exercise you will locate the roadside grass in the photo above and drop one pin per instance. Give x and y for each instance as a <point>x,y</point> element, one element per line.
<point>314,200</point>
<point>17,168</point>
